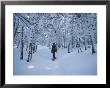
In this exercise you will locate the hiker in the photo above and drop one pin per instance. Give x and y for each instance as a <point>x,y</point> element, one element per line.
<point>54,49</point>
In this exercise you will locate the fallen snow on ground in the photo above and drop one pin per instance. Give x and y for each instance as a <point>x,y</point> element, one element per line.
<point>74,63</point>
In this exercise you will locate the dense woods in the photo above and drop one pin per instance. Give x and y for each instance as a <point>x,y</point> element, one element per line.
<point>67,30</point>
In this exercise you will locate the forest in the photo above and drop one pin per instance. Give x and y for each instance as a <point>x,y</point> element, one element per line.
<point>68,30</point>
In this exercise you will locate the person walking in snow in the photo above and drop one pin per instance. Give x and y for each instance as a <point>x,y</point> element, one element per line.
<point>54,49</point>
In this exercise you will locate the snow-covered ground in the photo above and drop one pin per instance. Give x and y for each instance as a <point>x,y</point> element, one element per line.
<point>73,63</point>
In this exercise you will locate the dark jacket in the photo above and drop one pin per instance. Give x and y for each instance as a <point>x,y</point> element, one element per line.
<point>54,48</point>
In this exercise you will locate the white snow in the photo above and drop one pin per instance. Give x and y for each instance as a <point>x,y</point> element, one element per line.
<point>73,63</point>
<point>31,67</point>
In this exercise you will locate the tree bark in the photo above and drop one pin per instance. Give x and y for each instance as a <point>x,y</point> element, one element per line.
<point>69,48</point>
<point>93,49</point>
<point>22,45</point>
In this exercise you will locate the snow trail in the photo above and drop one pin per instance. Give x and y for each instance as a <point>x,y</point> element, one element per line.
<point>65,64</point>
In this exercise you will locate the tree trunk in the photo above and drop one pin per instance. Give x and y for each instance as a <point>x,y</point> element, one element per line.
<point>49,45</point>
<point>69,48</point>
<point>93,49</point>
<point>85,43</point>
<point>64,43</point>
<point>18,44</point>
<point>36,48</point>
<point>22,46</point>
<point>16,29</point>
<point>72,42</point>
